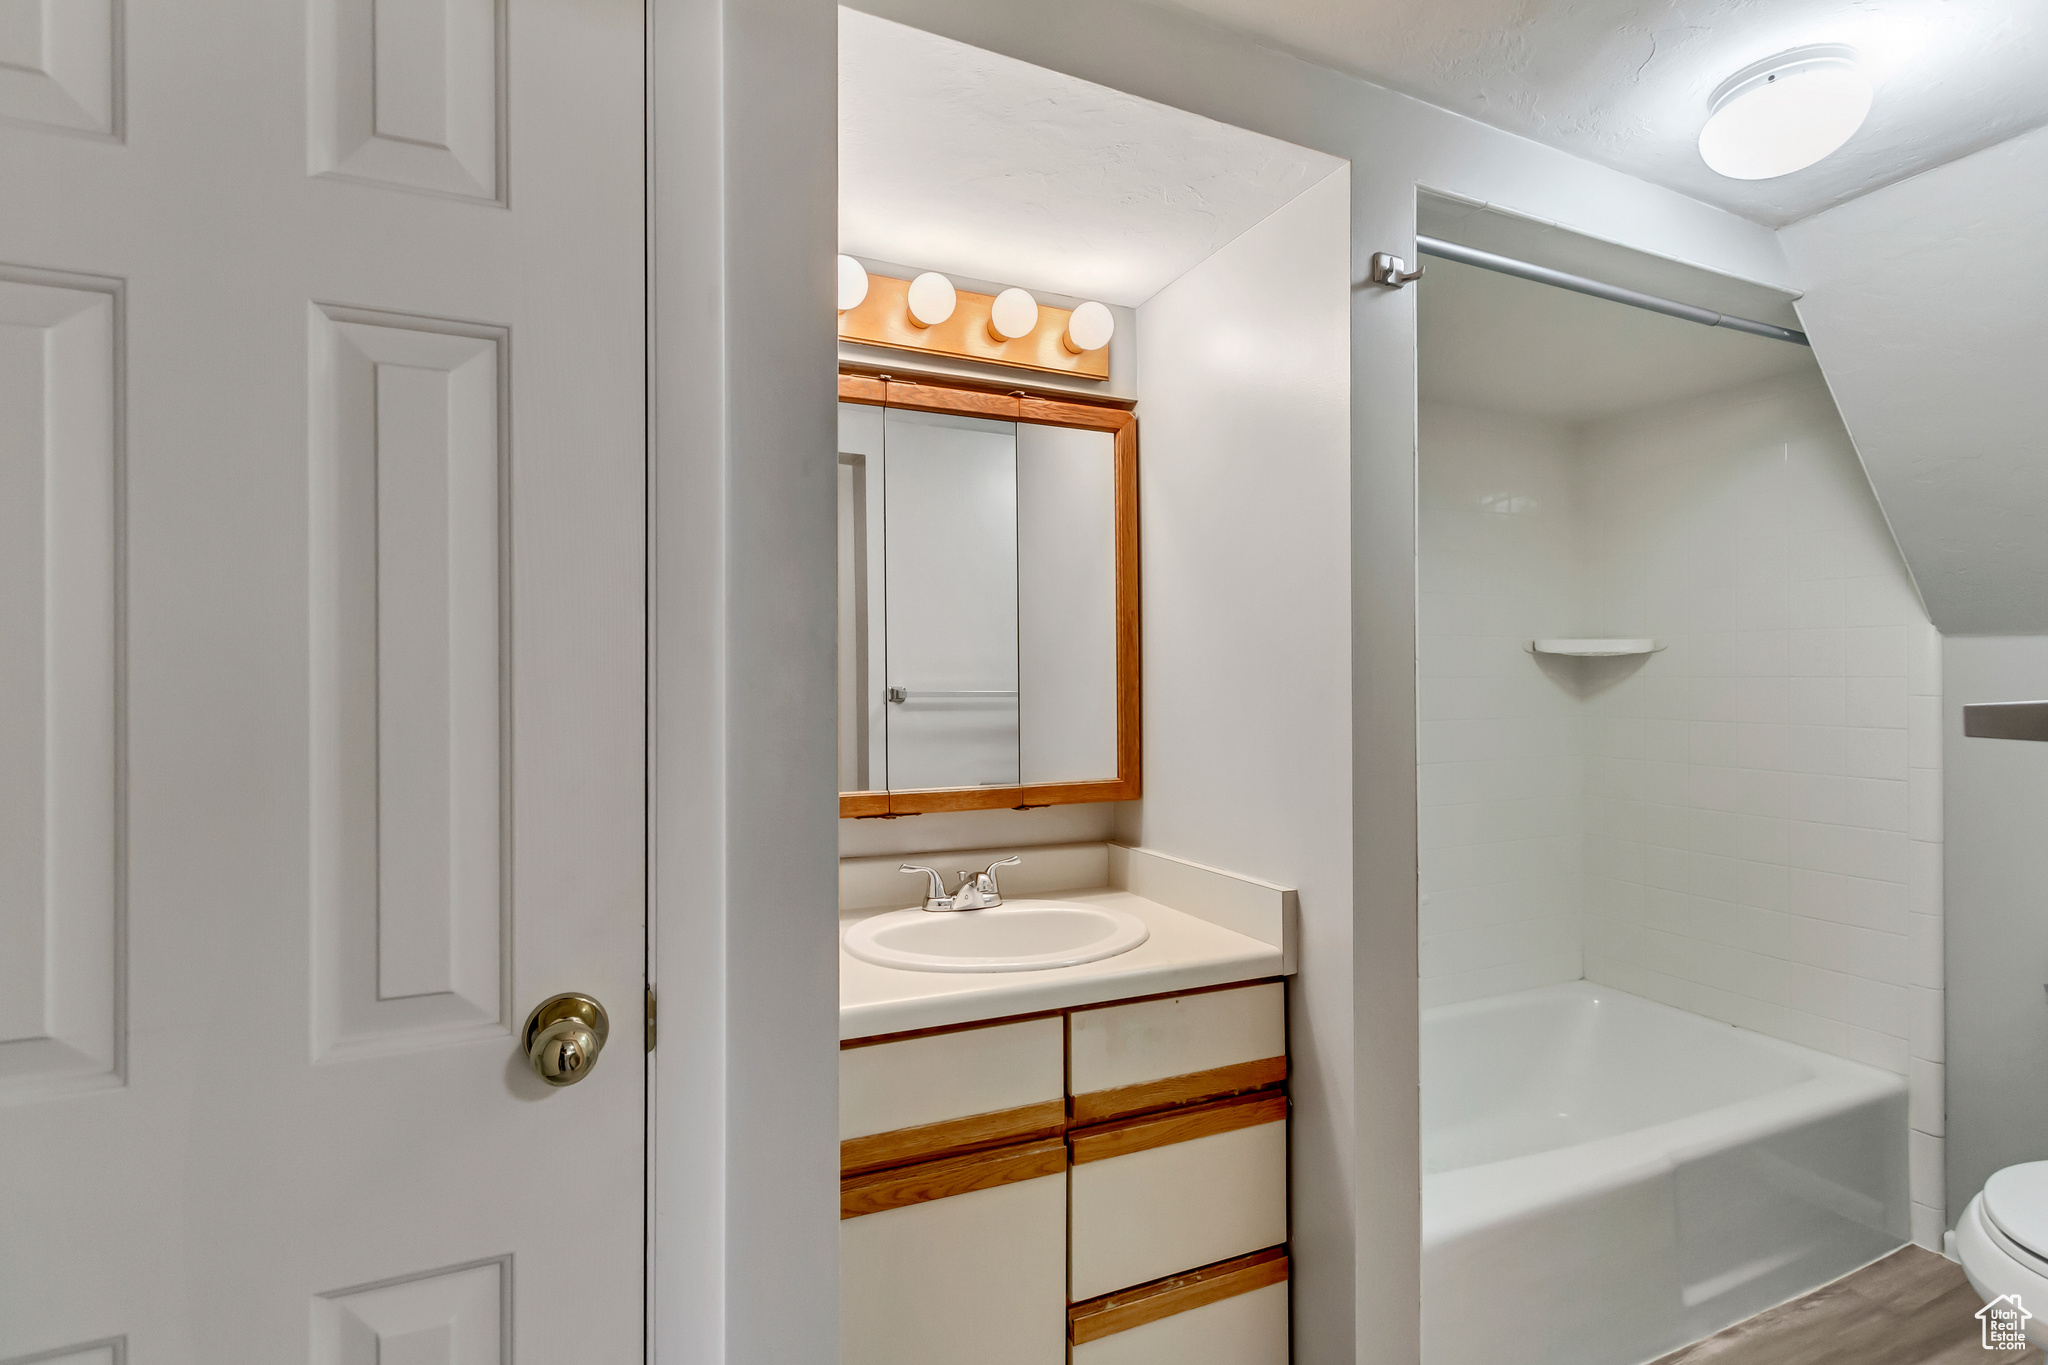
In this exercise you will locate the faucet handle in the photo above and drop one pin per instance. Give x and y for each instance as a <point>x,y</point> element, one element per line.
<point>935,891</point>
<point>990,874</point>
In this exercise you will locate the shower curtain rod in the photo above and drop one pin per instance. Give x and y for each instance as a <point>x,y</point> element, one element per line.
<point>1543,274</point>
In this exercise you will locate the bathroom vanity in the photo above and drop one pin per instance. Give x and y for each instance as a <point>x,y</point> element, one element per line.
<point>1089,1158</point>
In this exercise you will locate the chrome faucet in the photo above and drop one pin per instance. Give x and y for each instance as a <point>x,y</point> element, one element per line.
<point>977,892</point>
<point>937,899</point>
<point>980,892</point>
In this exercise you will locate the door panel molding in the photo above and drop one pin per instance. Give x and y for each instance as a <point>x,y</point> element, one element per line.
<point>60,68</point>
<point>411,702</point>
<point>409,94</point>
<point>456,1315</point>
<point>62,673</point>
<point>106,1351</point>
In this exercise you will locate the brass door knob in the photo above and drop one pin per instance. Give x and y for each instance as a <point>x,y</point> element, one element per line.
<point>564,1034</point>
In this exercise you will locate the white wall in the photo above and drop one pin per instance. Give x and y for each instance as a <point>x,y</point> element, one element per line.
<point>1763,800</point>
<point>1499,760</point>
<point>1997,935</point>
<point>1244,481</point>
<point>1927,302</point>
<point>744,1085</point>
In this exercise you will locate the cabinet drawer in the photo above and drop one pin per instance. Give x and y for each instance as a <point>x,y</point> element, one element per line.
<point>1229,1314</point>
<point>978,1275</point>
<point>1158,1196</point>
<point>949,1092</point>
<point>1127,1059</point>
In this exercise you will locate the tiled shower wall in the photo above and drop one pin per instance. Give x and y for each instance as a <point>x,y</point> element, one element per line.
<point>1498,746</point>
<point>1760,803</point>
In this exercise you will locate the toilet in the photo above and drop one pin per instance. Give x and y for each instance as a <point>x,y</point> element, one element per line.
<point>2002,1241</point>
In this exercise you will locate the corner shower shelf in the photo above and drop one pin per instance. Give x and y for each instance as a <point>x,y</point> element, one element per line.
<point>1603,648</point>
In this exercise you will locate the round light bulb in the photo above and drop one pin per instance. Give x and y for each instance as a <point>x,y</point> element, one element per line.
<point>1014,314</point>
<point>853,283</point>
<point>932,299</point>
<point>1089,329</point>
<point>1785,113</point>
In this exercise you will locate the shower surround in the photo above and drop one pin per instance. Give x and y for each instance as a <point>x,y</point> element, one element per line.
<point>1746,825</point>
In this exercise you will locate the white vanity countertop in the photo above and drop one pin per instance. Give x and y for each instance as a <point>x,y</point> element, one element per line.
<point>1182,953</point>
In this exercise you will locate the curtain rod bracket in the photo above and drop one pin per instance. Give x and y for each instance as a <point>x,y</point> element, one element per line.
<point>1392,271</point>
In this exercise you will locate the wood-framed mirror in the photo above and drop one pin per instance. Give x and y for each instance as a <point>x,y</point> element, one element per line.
<point>988,598</point>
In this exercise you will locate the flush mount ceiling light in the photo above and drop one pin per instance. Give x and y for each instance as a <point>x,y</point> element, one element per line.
<point>853,283</point>
<point>1784,113</point>
<point>1089,329</point>
<point>932,299</point>
<point>1014,314</point>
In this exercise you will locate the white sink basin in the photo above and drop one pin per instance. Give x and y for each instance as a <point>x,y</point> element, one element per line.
<point>1016,936</point>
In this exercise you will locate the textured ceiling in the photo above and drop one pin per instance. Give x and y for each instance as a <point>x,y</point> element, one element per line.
<point>963,161</point>
<point>1626,82</point>
<point>1492,341</point>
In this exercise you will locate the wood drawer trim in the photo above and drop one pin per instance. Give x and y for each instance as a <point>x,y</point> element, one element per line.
<point>1178,1125</point>
<point>1246,984</point>
<point>871,1039</point>
<point>905,1035</point>
<point>1128,1308</point>
<point>901,1186</point>
<point>1100,1106</point>
<point>952,1137</point>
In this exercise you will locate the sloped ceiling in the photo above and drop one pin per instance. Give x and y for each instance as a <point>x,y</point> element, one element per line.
<point>1626,82</point>
<point>1927,302</point>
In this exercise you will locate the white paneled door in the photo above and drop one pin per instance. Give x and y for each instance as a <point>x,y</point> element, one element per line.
<point>321,657</point>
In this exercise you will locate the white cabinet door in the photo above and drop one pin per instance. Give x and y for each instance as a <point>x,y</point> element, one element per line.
<point>973,1278</point>
<point>321,621</point>
<point>1244,1329</point>
<point>974,1087</point>
<point>1183,1190</point>
<point>1155,1053</point>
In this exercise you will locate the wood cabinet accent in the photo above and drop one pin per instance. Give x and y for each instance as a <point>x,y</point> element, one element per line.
<point>952,1137</point>
<point>855,805</point>
<point>980,1279</point>
<point>1178,1125</point>
<point>899,1101</point>
<point>1175,1185</point>
<point>1128,1308</point>
<point>947,398</point>
<point>863,388</point>
<point>1015,405</point>
<point>901,1186</point>
<point>1058,412</point>
<point>1101,1106</point>
<point>883,319</point>
<point>1134,1042</point>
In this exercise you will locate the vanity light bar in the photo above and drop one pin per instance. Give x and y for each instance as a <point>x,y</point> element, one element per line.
<point>929,315</point>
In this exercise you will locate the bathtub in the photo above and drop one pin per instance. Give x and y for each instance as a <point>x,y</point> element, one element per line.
<point>1606,1179</point>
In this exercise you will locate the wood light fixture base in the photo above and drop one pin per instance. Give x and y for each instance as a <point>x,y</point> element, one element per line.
<point>883,319</point>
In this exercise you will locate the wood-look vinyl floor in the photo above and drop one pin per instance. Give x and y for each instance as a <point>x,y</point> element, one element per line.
<point>1911,1308</point>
